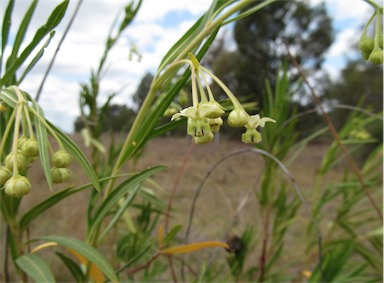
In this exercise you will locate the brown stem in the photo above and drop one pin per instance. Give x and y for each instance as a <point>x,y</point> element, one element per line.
<point>144,266</point>
<point>263,255</point>
<point>176,185</point>
<point>335,135</point>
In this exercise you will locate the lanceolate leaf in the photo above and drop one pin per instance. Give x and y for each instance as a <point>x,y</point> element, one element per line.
<point>193,247</point>
<point>36,267</point>
<point>5,29</point>
<point>77,154</point>
<point>53,20</point>
<point>73,267</point>
<point>118,193</point>
<point>87,251</point>
<point>42,138</point>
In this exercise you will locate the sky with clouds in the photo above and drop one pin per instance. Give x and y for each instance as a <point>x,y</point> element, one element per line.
<point>158,25</point>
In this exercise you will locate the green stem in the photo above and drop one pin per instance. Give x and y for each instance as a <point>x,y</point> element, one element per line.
<point>364,34</point>
<point>228,92</point>
<point>29,123</point>
<point>378,30</point>
<point>195,98</point>
<point>210,94</point>
<point>374,5</point>
<point>16,138</point>
<point>201,89</point>
<point>52,132</point>
<point>7,130</point>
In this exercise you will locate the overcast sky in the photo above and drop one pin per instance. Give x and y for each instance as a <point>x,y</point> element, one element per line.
<point>158,25</point>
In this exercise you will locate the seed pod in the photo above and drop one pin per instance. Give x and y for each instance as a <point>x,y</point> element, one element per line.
<point>21,161</point>
<point>61,159</point>
<point>30,148</point>
<point>5,175</point>
<point>60,175</point>
<point>238,118</point>
<point>17,186</point>
<point>21,141</point>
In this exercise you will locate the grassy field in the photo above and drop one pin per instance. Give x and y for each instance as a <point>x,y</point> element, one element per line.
<point>231,185</point>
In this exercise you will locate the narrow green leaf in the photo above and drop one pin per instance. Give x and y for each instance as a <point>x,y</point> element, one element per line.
<point>36,59</point>
<point>52,22</point>
<point>42,138</point>
<point>73,267</point>
<point>5,29</point>
<point>172,234</point>
<point>9,97</point>
<point>22,31</point>
<point>36,267</point>
<point>77,154</point>
<point>51,201</point>
<point>121,210</point>
<point>89,252</point>
<point>118,193</point>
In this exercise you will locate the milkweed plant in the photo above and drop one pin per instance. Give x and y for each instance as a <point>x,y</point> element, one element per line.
<point>28,138</point>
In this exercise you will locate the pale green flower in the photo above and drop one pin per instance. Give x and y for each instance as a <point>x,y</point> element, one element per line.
<point>252,135</point>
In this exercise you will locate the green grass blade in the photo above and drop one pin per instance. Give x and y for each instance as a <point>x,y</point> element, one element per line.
<point>73,267</point>
<point>42,138</point>
<point>35,267</point>
<point>118,193</point>
<point>120,212</point>
<point>36,59</point>
<point>89,252</point>
<point>77,154</point>
<point>172,234</point>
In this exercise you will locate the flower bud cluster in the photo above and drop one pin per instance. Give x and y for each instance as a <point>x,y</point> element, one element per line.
<point>24,151</point>
<point>205,116</point>
<point>371,48</point>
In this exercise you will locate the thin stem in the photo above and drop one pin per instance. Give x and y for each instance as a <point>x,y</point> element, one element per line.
<point>378,30</point>
<point>202,91</point>
<point>57,49</point>
<point>195,98</point>
<point>7,130</point>
<point>335,135</point>
<point>29,123</point>
<point>15,138</point>
<point>374,4</point>
<point>210,94</point>
<point>229,93</point>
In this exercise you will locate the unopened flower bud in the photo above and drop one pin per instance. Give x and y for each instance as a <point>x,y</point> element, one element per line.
<point>17,186</point>
<point>61,159</point>
<point>376,56</point>
<point>366,44</point>
<point>21,141</point>
<point>60,175</point>
<point>30,148</point>
<point>204,139</point>
<point>5,175</point>
<point>215,124</point>
<point>238,118</point>
<point>251,136</point>
<point>21,161</point>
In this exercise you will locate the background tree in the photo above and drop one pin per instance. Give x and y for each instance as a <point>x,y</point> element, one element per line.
<point>143,89</point>
<point>261,42</point>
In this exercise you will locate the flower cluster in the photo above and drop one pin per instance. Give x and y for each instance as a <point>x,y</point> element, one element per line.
<point>205,115</point>
<point>25,150</point>
<point>372,47</point>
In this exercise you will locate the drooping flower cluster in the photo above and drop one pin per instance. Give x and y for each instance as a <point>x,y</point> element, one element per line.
<point>25,149</point>
<point>372,47</point>
<point>204,116</point>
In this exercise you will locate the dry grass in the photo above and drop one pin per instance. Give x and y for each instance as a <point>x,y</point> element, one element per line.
<point>220,197</point>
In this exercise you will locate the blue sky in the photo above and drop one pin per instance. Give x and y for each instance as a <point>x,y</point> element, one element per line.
<point>159,24</point>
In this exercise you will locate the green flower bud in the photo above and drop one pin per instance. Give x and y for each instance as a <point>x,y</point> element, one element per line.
<point>238,118</point>
<point>204,139</point>
<point>170,111</point>
<point>30,148</point>
<point>365,55</point>
<point>251,136</point>
<point>21,141</point>
<point>366,44</point>
<point>61,159</point>
<point>215,124</point>
<point>376,56</point>
<point>21,161</point>
<point>5,175</point>
<point>210,109</point>
<point>60,175</point>
<point>17,186</point>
